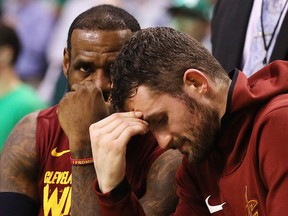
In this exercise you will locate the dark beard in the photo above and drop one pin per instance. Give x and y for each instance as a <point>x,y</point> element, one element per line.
<point>204,131</point>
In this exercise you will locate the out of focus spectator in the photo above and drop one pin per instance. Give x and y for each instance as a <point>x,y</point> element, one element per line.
<point>54,83</point>
<point>33,21</point>
<point>16,98</point>
<point>149,13</point>
<point>192,17</point>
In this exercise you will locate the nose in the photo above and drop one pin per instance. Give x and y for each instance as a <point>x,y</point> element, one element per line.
<point>164,138</point>
<point>101,79</point>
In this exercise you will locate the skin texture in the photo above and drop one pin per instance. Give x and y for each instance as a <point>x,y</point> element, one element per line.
<point>109,139</point>
<point>89,81</point>
<point>18,167</point>
<point>171,128</point>
<point>99,51</point>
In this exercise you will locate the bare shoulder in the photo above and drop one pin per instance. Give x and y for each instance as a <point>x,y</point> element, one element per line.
<point>160,197</point>
<point>18,167</point>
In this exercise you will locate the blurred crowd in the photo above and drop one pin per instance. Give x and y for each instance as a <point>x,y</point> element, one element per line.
<point>42,26</point>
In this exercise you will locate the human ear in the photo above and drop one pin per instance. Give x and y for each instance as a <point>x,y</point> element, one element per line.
<point>65,62</point>
<point>196,81</point>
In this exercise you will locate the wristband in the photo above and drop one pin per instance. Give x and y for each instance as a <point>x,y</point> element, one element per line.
<point>81,161</point>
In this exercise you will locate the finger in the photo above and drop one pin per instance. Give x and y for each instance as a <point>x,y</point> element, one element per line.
<point>104,122</point>
<point>92,86</point>
<point>84,84</point>
<point>77,87</point>
<point>114,128</point>
<point>134,126</point>
<point>109,107</point>
<point>88,83</point>
<point>129,132</point>
<point>67,95</point>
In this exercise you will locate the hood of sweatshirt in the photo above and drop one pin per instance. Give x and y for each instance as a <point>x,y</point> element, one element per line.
<point>252,92</point>
<point>245,98</point>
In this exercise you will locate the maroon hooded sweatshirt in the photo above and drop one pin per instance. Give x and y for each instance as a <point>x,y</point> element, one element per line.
<point>246,172</point>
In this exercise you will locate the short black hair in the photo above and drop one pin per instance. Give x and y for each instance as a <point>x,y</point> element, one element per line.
<point>158,58</point>
<point>103,17</point>
<point>8,36</point>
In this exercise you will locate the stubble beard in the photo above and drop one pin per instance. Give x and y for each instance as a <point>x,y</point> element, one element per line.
<point>201,131</point>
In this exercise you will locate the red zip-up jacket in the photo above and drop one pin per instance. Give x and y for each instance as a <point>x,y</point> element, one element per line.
<point>246,173</point>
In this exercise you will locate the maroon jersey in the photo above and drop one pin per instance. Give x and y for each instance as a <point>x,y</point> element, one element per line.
<point>246,173</point>
<point>55,167</point>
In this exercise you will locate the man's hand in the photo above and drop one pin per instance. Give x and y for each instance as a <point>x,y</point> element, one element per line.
<point>109,139</point>
<point>78,109</point>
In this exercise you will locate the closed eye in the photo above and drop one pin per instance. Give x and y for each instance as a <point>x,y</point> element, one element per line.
<point>159,121</point>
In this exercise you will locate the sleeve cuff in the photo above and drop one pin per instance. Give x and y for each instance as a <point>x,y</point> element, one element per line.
<point>117,194</point>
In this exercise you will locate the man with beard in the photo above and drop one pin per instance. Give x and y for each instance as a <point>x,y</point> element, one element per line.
<point>232,129</point>
<point>47,146</point>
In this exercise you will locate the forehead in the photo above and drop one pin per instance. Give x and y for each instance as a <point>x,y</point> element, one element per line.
<point>99,40</point>
<point>148,102</point>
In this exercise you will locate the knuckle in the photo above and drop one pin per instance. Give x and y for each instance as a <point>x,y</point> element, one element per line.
<point>92,128</point>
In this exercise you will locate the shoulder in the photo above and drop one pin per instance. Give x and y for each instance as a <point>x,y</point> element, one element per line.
<point>270,136</point>
<point>270,131</point>
<point>23,134</point>
<point>276,109</point>
<point>50,112</point>
<point>18,159</point>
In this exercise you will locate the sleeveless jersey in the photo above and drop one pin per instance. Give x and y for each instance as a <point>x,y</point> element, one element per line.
<point>54,178</point>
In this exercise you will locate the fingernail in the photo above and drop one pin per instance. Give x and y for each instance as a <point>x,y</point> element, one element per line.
<point>137,113</point>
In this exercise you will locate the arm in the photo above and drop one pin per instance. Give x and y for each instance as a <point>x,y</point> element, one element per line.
<point>18,168</point>
<point>273,166</point>
<point>160,197</point>
<point>77,110</point>
<point>109,139</point>
<point>84,200</point>
<point>190,197</point>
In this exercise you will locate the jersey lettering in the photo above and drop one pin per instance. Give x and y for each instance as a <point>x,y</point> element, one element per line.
<point>56,198</point>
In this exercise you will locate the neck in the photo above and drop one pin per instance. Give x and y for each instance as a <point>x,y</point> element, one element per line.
<point>221,93</point>
<point>8,80</point>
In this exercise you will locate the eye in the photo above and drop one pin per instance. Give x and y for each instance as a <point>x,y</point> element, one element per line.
<point>161,120</point>
<point>158,122</point>
<point>85,68</point>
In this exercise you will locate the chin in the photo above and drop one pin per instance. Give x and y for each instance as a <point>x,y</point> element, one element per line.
<point>197,156</point>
